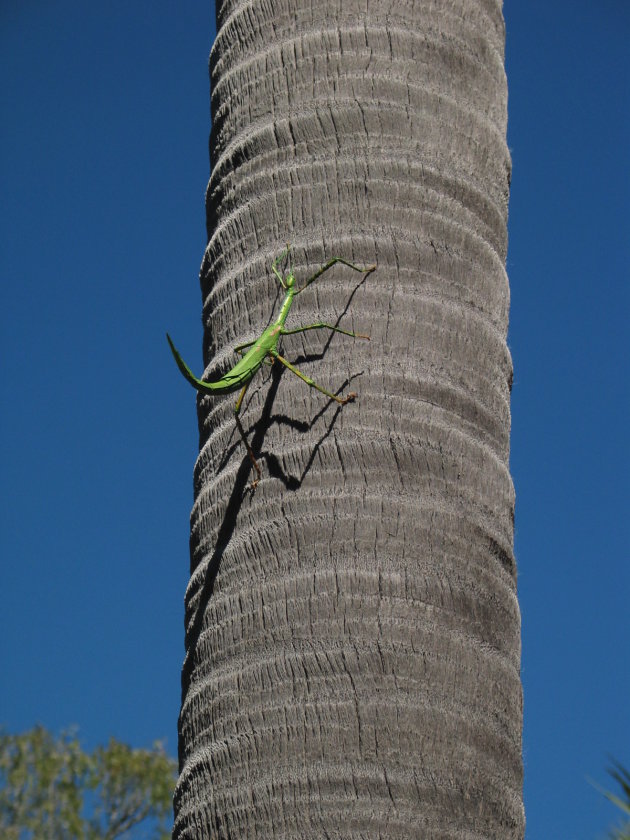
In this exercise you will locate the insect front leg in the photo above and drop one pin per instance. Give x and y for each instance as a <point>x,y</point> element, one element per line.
<point>322,326</point>
<point>275,263</point>
<point>364,270</point>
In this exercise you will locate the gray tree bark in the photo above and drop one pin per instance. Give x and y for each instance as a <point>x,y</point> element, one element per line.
<point>352,627</point>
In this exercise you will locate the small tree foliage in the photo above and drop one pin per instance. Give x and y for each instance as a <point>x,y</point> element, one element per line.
<point>622,776</point>
<point>50,787</point>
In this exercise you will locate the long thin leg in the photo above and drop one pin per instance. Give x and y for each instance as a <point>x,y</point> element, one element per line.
<point>240,347</point>
<point>365,270</point>
<point>321,326</point>
<point>237,408</point>
<point>309,381</point>
<point>275,263</point>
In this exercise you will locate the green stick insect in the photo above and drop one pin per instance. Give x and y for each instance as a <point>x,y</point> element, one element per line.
<point>264,348</point>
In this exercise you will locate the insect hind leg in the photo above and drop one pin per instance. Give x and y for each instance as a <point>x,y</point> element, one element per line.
<point>311,383</point>
<point>239,426</point>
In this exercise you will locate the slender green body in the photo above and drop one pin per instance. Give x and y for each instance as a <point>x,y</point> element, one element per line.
<point>244,370</point>
<point>265,347</point>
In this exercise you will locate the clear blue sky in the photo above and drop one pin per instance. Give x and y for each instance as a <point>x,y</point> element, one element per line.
<point>104,162</point>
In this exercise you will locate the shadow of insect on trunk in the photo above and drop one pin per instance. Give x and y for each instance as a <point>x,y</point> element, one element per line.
<point>266,419</point>
<point>235,501</point>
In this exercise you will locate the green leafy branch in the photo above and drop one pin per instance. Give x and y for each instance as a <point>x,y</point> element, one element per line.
<point>50,787</point>
<point>622,776</point>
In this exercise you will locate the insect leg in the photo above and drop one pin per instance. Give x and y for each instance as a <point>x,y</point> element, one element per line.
<point>322,326</point>
<point>364,270</point>
<point>275,263</point>
<point>309,381</point>
<point>240,347</point>
<point>237,408</point>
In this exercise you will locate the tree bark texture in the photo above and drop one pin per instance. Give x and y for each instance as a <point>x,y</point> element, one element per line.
<point>352,627</point>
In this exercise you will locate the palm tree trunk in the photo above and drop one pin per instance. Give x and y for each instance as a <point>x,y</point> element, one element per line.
<point>352,627</point>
